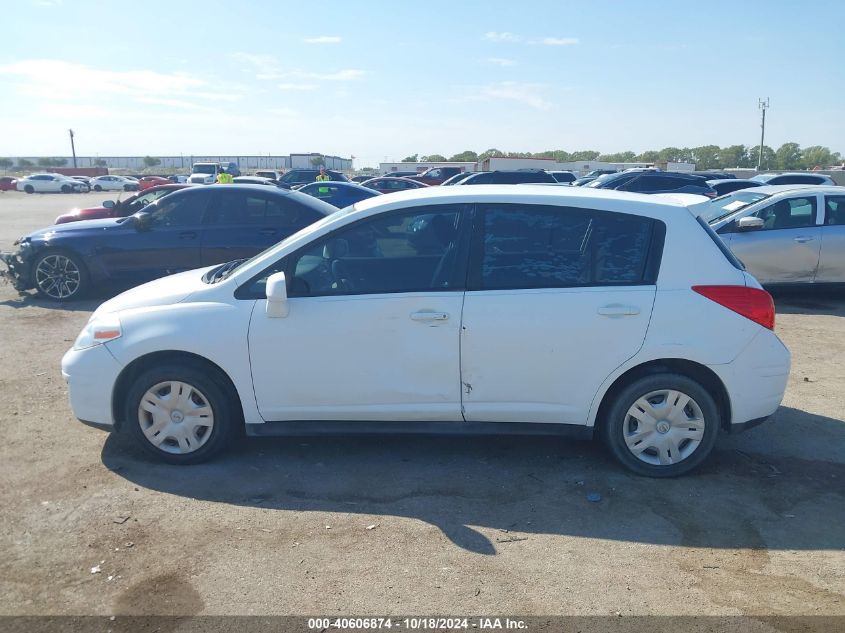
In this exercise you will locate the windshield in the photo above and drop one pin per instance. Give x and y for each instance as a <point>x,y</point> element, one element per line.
<point>199,168</point>
<point>724,206</point>
<point>598,182</point>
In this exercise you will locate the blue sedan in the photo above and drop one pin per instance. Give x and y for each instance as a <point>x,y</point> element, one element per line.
<point>190,228</point>
<point>338,194</point>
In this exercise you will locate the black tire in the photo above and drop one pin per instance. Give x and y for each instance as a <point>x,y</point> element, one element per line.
<point>213,387</point>
<point>29,188</point>
<point>614,431</point>
<point>46,291</point>
<point>66,188</point>
<point>97,188</point>
<point>127,187</point>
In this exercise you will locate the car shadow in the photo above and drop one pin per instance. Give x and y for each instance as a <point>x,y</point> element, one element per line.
<point>483,491</point>
<point>30,298</point>
<point>830,301</point>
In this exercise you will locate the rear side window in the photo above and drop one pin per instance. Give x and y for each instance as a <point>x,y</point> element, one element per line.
<point>522,246</point>
<point>722,246</point>
<point>834,211</point>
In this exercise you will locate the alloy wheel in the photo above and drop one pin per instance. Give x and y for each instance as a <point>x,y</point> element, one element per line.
<point>663,427</point>
<point>175,417</point>
<point>57,276</point>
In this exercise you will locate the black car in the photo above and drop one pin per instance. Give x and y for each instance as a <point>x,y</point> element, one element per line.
<point>298,177</point>
<point>730,185</point>
<point>190,228</point>
<point>457,178</point>
<point>508,177</point>
<point>654,182</point>
<point>566,177</point>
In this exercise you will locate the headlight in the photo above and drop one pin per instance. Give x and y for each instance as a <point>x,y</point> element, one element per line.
<point>99,330</point>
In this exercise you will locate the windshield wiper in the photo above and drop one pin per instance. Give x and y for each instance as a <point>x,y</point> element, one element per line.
<point>221,272</point>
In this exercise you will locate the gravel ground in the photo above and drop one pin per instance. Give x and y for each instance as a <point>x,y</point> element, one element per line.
<point>421,525</point>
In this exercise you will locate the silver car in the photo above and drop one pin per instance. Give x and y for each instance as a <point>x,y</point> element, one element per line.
<point>784,234</point>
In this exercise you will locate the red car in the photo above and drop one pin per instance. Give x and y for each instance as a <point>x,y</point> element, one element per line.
<point>152,181</point>
<point>121,208</point>
<point>390,184</point>
<point>7,183</point>
<point>437,175</point>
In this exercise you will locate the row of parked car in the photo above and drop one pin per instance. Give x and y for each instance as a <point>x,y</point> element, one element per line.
<point>59,183</point>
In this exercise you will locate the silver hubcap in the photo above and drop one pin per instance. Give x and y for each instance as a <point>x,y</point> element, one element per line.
<point>57,276</point>
<point>175,417</point>
<point>663,427</point>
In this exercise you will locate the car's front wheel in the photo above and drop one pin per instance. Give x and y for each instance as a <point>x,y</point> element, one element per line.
<point>66,188</point>
<point>60,276</point>
<point>662,425</point>
<point>97,188</point>
<point>180,413</point>
<point>29,188</point>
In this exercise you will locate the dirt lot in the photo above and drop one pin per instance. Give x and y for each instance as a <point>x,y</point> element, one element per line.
<point>462,525</point>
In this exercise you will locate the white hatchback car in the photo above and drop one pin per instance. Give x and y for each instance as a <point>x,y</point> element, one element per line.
<point>487,309</point>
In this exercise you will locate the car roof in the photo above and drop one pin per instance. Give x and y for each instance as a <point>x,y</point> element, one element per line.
<point>775,189</point>
<point>509,193</point>
<point>717,181</point>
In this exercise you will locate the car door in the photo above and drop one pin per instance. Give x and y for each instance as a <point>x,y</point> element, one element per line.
<point>557,298</point>
<point>372,332</point>
<point>168,243</point>
<point>241,223</point>
<point>832,256</point>
<point>786,249</point>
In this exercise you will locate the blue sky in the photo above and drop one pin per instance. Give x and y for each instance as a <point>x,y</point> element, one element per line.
<point>381,80</point>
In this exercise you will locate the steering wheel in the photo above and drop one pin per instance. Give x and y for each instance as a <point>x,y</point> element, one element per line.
<point>341,277</point>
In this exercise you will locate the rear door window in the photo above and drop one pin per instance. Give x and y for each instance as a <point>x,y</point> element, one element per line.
<point>834,210</point>
<point>533,246</point>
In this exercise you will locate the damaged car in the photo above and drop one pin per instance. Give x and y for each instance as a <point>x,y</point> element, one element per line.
<point>184,230</point>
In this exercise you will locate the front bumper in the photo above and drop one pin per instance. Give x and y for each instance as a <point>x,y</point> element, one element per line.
<point>90,375</point>
<point>19,269</point>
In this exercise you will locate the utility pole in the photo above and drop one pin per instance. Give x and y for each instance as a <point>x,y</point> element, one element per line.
<point>72,148</point>
<point>763,105</point>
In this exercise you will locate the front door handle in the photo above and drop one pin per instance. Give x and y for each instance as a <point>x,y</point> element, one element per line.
<point>804,238</point>
<point>429,316</point>
<point>618,310</point>
<point>187,235</point>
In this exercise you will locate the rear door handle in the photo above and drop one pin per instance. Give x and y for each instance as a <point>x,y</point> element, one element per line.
<point>187,235</point>
<point>804,238</point>
<point>429,316</point>
<point>618,310</point>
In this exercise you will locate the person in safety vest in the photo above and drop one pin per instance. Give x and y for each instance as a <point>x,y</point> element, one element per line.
<point>323,177</point>
<point>224,178</point>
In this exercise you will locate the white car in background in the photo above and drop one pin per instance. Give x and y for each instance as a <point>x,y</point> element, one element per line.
<point>113,183</point>
<point>485,309</point>
<point>50,183</point>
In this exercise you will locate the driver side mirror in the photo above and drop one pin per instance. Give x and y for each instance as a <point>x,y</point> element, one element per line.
<point>277,296</point>
<point>108,204</point>
<point>143,221</point>
<point>749,223</point>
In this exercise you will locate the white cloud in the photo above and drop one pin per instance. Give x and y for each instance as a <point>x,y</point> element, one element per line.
<point>496,36</point>
<point>501,61</point>
<point>58,81</point>
<point>322,39</point>
<point>297,87</point>
<point>268,68</point>
<point>559,41</point>
<point>526,93</point>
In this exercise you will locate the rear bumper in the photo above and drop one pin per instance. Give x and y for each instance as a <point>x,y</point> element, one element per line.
<point>756,380</point>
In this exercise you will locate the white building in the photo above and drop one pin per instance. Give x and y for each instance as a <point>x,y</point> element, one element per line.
<point>419,167</point>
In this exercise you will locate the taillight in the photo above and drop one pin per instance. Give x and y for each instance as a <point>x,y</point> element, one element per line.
<point>752,303</point>
<point>711,194</point>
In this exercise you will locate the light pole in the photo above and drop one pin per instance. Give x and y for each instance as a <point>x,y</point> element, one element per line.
<point>763,105</point>
<point>72,148</point>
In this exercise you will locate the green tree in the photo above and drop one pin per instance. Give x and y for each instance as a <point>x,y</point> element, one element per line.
<point>586,154</point>
<point>5,163</point>
<point>100,163</point>
<point>788,156</point>
<point>433,158</point>
<point>817,156</point>
<point>318,161</point>
<point>618,157</point>
<point>149,161</point>
<point>413,158</point>
<point>769,158</point>
<point>465,156</point>
<point>23,163</point>
<point>490,153</point>
<point>734,156</point>
<point>649,156</point>
<point>705,157</point>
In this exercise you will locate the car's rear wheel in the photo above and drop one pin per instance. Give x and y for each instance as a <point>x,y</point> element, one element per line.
<point>662,425</point>
<point>29,188</point>
<point>60,276</point>
<point>127,187</point>
<point>181,413</point>
<point>97,188</point>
